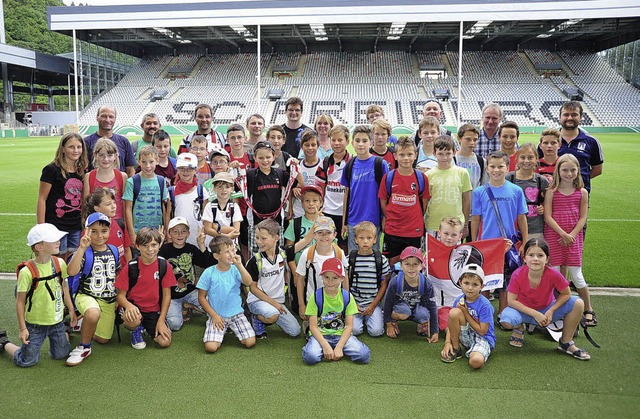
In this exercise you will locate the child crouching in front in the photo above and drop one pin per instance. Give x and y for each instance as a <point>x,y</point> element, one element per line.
<point>331,314</point>
<point>219,295</point>
<point>144,291</point>
<point>470,321</point>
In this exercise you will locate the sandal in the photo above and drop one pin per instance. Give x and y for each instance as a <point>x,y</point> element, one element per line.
<point>517,338</point>
<point>579,353</point>
<point>592,322</point>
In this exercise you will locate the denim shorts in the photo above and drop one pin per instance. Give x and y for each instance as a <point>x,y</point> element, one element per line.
<point>70,241</point>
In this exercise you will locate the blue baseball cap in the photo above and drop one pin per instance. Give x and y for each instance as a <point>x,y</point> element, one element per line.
<point>95,217</point>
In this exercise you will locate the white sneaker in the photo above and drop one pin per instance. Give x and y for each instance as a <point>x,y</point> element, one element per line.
<point>79,354</point>
<point>77,327</point>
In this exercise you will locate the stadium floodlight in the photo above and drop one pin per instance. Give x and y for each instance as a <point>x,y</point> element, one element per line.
<point>476,29</point>
<point>560,28</point>
<point>318,30</point>
<point>395,30</point>
<point>171,34</point>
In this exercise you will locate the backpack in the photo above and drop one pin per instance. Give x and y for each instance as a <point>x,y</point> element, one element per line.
<point>319,297</point>
<point>134,274</point>
<point>310,269</point>
<point>422,283</point>
<point>93,174</point>
<point>421,184</point>
<point>480,163</point>
<point>214,211</point>
<point>348,169</point>
<point>511,177</point>
<point>36,279</point>
<point>76,280</point>
<point>197,203</point>
<point>137,182</point>
<point>353,275</point>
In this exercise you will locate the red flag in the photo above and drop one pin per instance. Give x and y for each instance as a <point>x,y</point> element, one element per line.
<point>444,265</point>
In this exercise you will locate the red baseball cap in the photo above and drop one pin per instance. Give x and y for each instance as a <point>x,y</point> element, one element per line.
<point>333,265</point>
<point>312,188</point>
<point>411,252</point>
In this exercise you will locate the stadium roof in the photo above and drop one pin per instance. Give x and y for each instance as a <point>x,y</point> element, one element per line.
<point>232,26</point>
<point>30,66</point>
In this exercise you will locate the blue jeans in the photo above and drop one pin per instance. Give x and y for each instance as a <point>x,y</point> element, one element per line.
<point>28,355</point>
<point>287,321</point>
<point>70,242</point>
<point>358,352</point>
<point>174,314</point>
<point>419,314</point>
<point>516,318</point>
<point>375,323</point>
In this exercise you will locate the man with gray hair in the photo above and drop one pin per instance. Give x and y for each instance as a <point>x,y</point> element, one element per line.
<point>488,140</point>
<point>433,108</point>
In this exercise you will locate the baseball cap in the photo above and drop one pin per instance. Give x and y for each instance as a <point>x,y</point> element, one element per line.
<point>311,188</point>
<point>187,160</point>
<point>324,224</point>
<point>44,233</point>
<point>333,265</point>
<point>474,269</point>
<point>263,144</point>
<point>411,252</point>
<point>176,221</point>
<point>223,177</point>
<point>219,152</point>
<point>95,217</point>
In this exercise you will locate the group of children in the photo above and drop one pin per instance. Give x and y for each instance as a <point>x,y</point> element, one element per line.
<point>172,240</point>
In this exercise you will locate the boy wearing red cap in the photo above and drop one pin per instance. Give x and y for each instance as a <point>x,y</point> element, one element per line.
<point>331,314</point>
<point>410,297</point>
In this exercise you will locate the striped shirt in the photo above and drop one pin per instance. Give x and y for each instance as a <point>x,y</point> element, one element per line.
<point>364,286</point>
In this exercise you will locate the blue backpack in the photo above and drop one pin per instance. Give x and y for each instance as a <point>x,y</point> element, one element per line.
<point>422,284</point>
<point>76,280</point>
<point>319,297</point>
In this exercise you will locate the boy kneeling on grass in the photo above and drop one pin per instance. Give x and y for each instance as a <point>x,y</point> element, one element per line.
<point>470,321</point>
<point>331,312</point>
<point>144,291</point>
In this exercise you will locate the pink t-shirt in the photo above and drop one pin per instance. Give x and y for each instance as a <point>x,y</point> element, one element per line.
<point>541,296</point>
<point>114,184</point>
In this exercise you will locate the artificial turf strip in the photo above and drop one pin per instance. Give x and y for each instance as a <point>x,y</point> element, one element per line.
<point>405,377</point>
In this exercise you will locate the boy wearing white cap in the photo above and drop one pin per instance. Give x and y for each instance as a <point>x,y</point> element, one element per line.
<point>41,293</point>
<point>190,197</point>
<point>470,321</point>
<point>97,262</point>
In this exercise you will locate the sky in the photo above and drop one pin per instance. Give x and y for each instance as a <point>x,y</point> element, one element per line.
<point>120,2</point>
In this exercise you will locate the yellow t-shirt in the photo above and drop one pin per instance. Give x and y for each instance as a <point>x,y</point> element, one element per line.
<point>446,188</point>
<point>44,311</point>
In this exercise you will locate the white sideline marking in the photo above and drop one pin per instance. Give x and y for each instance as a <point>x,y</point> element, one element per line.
<point>596,220</point>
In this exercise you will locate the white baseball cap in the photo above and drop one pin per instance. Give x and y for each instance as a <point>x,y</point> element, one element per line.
<point>44,233</point>
<point>187,160</point>
<point>176,221</point>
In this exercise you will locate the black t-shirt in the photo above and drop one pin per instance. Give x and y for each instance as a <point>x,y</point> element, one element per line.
<point>265,191</point>
<point>63,204</point>
<point>292,143</point>
<point>185,259</point>
<point>101,281</point>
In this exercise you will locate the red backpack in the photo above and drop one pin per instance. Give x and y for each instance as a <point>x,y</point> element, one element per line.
<point>36,279</point>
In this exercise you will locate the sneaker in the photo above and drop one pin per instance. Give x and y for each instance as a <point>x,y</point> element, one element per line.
<point>3,339</point>
<point>452,356</point>
<point>79,354</point>
<point>77,327</point>
<point>258,327</point>
<point>137,341</point>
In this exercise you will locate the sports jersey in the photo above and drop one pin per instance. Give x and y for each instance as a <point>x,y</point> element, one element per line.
<point>404,213</point>
<point>270,279</point>
<point>146,293</point>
